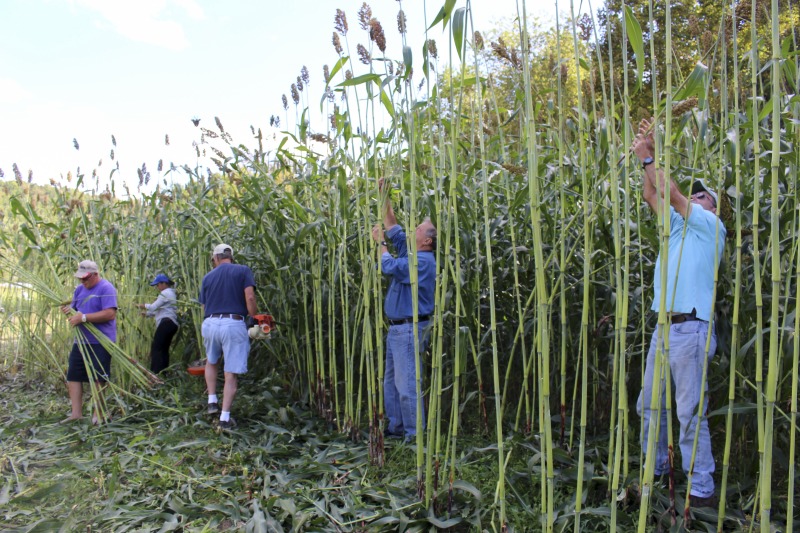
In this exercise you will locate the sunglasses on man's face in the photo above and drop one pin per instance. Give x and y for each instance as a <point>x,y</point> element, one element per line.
<point>703,196</point>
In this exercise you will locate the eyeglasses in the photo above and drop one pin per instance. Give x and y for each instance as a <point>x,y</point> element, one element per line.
<point>703,196</point>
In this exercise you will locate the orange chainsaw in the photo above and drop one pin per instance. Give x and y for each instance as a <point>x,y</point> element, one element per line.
<point>262,328</point>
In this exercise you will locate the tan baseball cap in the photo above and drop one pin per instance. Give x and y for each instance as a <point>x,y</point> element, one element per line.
<point>85,268</point>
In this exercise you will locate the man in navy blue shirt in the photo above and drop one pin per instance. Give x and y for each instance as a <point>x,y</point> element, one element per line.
<point>228,296</point>
<point>402,382</point>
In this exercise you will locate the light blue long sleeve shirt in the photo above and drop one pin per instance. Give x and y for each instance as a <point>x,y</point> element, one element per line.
<point>398,303</point>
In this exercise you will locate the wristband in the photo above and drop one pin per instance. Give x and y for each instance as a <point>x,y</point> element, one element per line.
<point>647,161</point>
<point>83,317</point>
<point>383,243</point>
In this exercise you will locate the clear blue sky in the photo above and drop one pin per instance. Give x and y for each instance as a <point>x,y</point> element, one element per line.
<point>142,69</point>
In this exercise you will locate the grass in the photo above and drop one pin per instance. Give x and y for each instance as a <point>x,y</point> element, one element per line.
<point>165,469</point>
<point>163,466</point>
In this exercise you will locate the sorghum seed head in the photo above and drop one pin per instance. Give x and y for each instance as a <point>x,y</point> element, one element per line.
<point>364,16</point>
<point>499,49</point>
<point>340,22</point>
<point>295,94</point>
<point>304,75</point>
<point>348,75</point>
<point>432,50</point>
<point>337,43</point>
<point>363,55</point>
<point>160,165</point>
<point>166,139</point>
<point>219,124</point>
<point>17,173</point>
<point>326,73</point>
<point>113,140</point>
<point>401,22</point>
<point>377,35</point>
<point>299,84</point>
<point>478,40</point>
<point>112,154</point>
<point>30,175</point>
<point>75,144</point>
<point>683,107</point>
<point>285,102</point>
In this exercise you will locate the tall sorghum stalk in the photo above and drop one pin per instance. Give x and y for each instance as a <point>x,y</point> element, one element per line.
<point>586,201</point>
<point>622,322</point>
<point>661,375</point>
<point>484,172</point>
<point>542,296</point>
<point>737,291</point>
<point>775,250</point>
<point>756,224</point>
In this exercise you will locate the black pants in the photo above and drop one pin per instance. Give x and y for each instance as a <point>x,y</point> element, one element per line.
<point>159,350</point>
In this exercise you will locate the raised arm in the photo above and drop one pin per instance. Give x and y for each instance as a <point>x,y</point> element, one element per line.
<point>389,219</point>
<point>655,182</point>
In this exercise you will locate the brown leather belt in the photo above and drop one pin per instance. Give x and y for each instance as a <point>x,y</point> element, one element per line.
<point>682,317</point>
<point>409,320</point>
<point>226,315</point>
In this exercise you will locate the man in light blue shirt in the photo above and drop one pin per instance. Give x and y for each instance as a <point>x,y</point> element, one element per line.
<point>401,400</point>
<point>696,241</point>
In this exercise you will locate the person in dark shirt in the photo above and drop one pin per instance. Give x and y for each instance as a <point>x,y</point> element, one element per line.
<point>401,383</point>
<point>228,296</point>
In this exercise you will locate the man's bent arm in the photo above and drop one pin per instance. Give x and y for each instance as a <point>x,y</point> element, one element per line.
<point>250,299</point>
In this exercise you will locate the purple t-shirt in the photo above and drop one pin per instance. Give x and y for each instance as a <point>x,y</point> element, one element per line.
<point>101,296</point>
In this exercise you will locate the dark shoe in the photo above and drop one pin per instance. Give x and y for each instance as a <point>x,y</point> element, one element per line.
<point>213,408</point>
<point>387,435</point>
<point>227,425</point>
<point>708,501</point>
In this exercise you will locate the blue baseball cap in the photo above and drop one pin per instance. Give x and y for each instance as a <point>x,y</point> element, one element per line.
<point>161,278</point>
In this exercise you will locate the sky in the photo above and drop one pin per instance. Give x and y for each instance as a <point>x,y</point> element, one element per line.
<point>141,70</point>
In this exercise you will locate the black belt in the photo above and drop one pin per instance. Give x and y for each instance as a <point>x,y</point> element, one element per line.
<point>683,317</point>
<point>402,321</point>
<point>226,315</point>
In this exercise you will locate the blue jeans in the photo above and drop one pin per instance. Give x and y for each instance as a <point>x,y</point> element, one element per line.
<point>687,343</point>
<point>399,387</point>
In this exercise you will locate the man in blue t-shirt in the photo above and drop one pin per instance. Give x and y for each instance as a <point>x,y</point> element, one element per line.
<point>401,400</point>
<point>696,241</point>
<point>228,296</point>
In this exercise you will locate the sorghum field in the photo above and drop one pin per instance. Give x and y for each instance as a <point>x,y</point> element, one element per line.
<point>516,142</point>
